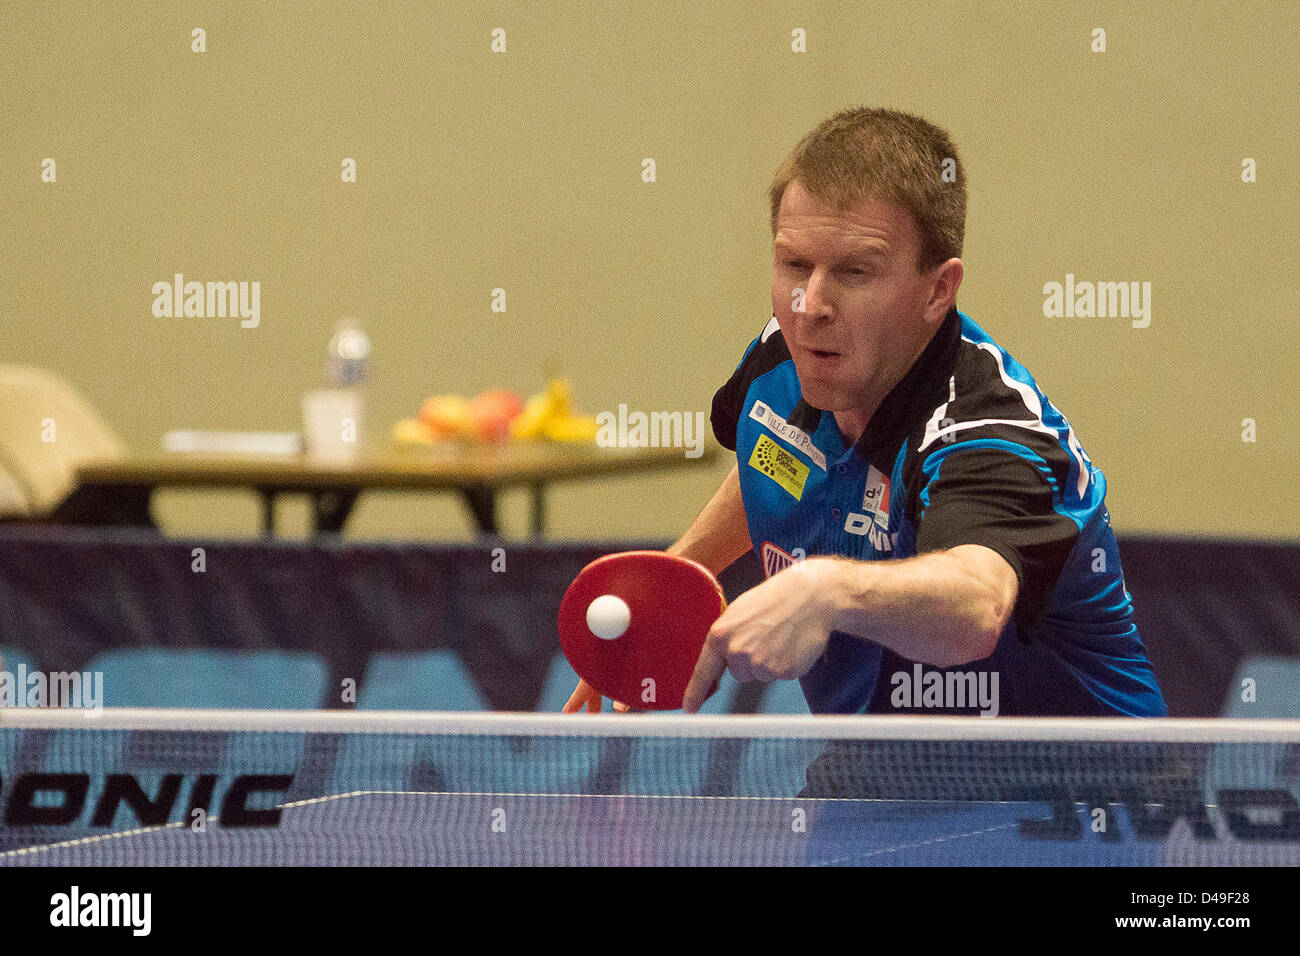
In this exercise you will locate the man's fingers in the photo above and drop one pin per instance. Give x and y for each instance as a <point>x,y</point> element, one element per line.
<point>583,696</point>
<point>708,671</point>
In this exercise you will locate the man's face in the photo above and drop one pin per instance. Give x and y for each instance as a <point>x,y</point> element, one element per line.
<point>865,311</point>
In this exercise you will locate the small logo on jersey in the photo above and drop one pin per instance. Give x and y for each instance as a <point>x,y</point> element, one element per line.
<point>862,525</point>
<point>875,497</point>
<point>779,465</point>
<point>776,560</point>
<point>874,524</point>
<point>778,426</point>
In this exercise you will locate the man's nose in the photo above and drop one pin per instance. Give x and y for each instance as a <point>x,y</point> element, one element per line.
<point>816,296</point>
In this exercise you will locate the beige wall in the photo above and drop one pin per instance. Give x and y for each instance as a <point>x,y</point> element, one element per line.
<point>522,170</point>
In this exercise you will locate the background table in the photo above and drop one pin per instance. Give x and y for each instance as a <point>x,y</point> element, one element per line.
<point>123,487</point>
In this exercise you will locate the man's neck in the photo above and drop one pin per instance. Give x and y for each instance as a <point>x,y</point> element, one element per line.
<point>853,423</point>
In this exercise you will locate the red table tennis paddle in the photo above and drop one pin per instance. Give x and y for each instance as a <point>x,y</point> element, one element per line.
<point>633,624</point>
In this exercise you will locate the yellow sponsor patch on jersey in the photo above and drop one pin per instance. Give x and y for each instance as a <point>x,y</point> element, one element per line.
<point>779,465</point>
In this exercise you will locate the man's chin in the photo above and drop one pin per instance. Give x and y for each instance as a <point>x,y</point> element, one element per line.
<point>828,394</point>
<point>819,393</point>
<point>835,401</point>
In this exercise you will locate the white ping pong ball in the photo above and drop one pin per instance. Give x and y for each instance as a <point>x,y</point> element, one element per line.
<point>608,617</point>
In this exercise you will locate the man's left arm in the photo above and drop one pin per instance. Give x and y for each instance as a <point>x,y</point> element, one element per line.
<point>944,608</point>
<point>991,545</point>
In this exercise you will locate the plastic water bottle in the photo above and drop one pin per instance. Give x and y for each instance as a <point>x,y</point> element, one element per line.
<point>349,351</point>
<point>333,416</point>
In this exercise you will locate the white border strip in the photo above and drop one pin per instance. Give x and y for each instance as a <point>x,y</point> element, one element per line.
<point>659,725</point>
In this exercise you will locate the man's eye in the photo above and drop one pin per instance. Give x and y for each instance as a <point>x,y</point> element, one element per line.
<point>795,264</point>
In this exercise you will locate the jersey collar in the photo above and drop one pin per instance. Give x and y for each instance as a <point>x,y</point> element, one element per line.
<point>919,391</point>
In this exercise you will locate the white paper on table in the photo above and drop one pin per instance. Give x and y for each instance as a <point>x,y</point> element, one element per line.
<point>234,443</point>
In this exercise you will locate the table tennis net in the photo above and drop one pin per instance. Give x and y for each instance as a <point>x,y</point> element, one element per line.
<point>272,788</point>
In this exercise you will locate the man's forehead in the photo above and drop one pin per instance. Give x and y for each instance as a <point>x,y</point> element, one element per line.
<point>869,224</point>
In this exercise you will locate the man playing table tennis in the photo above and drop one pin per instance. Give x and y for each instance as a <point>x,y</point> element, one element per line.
<point>917,503</point>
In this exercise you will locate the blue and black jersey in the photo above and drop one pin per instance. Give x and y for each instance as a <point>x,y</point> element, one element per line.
<point>966,449</point>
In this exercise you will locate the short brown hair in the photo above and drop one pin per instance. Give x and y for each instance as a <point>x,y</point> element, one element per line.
<point>887,156</point>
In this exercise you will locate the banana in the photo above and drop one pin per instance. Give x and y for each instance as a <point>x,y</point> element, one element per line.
<point>561,395</point>
<point>554,402</point>
<point>576,429</point>
<point>528,424</point>
<point>412,431</point>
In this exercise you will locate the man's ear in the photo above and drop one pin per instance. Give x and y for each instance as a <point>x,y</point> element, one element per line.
<point>947,278</point>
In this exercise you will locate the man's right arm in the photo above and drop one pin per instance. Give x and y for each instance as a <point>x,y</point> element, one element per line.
<point>720,535</point>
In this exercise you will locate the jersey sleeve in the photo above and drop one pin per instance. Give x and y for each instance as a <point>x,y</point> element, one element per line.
<point>763,354</point>
<point>1007,503</point>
